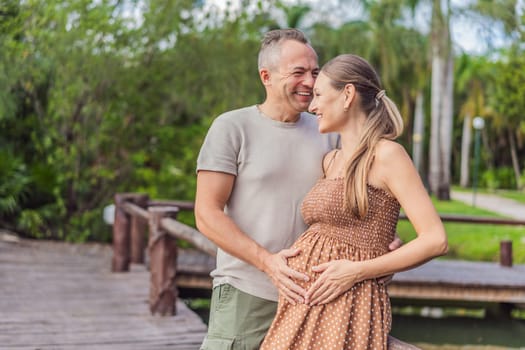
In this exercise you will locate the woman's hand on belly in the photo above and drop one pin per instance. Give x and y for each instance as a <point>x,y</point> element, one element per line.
<point>336,277</point>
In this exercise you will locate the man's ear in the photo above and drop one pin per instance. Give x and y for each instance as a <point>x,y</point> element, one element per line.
<point>349,91</point>
<point>265,76</point>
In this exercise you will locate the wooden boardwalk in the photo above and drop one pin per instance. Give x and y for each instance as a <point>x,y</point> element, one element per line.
<point>462,281</point>
<point>63,297</point>
<point>439,280</point>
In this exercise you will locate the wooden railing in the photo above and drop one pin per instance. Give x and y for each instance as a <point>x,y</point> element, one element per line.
<point>136,214</point>
<point>505,255</point>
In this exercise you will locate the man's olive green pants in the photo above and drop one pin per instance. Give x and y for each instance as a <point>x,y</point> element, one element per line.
<point>238,321</point>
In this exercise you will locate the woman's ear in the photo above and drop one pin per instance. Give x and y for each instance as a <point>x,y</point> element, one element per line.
<point>349,91</point>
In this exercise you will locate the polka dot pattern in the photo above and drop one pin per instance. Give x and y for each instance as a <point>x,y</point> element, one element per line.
<point>361,317</point>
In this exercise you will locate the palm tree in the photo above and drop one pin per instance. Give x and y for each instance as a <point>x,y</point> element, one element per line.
<point>441,101</point>
<point>472,75</point>
<point>404,66</point>
<point>443,81</point>
<point>509,105</point>
<point>294,13</point>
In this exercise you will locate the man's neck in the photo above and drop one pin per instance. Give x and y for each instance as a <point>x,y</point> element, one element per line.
<point>276,113</point>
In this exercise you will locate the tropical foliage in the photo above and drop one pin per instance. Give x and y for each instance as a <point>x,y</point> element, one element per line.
<point>99,97</point>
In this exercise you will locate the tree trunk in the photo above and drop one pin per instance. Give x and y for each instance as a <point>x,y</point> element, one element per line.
<point>446,127</point>
<point>465,151</point>
<point>515,160</point>
<point>441,101</point>
<point>419,131</point>
<point>488,155</point>
<point>437,94</point>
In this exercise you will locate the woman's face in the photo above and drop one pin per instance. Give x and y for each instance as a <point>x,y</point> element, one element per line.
<point>328,105</point>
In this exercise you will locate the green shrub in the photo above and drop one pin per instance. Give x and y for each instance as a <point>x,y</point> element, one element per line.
<point>498,178</point>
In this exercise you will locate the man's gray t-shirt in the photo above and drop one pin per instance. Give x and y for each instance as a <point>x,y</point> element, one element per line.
<point>275,165</point>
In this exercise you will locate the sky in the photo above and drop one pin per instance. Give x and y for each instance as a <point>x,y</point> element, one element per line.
<point>468,34</point>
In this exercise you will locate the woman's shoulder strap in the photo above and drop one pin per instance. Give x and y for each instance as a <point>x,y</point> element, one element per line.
<point>328,160</point>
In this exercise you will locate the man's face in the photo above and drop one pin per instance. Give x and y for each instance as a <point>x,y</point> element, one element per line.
<point>293,79</point>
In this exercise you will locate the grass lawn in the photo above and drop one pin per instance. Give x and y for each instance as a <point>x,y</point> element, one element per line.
<point>477,242</point>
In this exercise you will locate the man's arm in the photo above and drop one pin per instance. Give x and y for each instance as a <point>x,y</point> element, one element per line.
<point>213,191</point>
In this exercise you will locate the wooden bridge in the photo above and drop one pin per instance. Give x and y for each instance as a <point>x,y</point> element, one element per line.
<point>62,296</point>
<point>440,281</point>
<point>59,296</point>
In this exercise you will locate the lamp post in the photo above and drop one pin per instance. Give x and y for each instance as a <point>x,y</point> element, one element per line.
<point>478,123</point>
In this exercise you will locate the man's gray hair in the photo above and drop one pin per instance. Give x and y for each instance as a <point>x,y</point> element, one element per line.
<point>271,45</point>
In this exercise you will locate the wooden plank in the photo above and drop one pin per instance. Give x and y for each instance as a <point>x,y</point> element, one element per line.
<point>465,273</point>
<point>438,279</point>
<point>62,296</point>
<point>453,272</point>
<point>451,292</point>
<point>461,281</point>
<point>476,219</point>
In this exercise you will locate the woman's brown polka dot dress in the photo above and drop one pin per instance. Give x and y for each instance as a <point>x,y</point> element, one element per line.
<point>360,318</point>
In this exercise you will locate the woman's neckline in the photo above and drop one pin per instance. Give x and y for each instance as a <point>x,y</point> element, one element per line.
<point>373,187</point>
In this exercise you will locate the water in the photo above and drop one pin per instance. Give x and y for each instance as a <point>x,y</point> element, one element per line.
<point>441,329</point>
<point>444,333</point>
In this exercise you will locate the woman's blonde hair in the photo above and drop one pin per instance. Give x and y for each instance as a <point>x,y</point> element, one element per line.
<point>383,122</point>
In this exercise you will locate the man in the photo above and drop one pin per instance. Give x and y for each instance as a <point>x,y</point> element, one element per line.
<point>255,166</point>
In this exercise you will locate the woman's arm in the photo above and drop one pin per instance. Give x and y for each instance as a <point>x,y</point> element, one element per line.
<point>394,171</point>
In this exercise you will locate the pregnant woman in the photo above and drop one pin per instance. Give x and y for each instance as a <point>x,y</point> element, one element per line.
<point>352,213</point>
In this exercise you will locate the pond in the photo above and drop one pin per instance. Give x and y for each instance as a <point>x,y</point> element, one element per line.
<point>433,328</point>
<point>460,332</point>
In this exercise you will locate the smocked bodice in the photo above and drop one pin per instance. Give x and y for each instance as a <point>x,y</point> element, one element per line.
<point>324,211</point>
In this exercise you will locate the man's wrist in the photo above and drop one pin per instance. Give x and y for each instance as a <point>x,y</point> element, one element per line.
<point>262,256</point>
